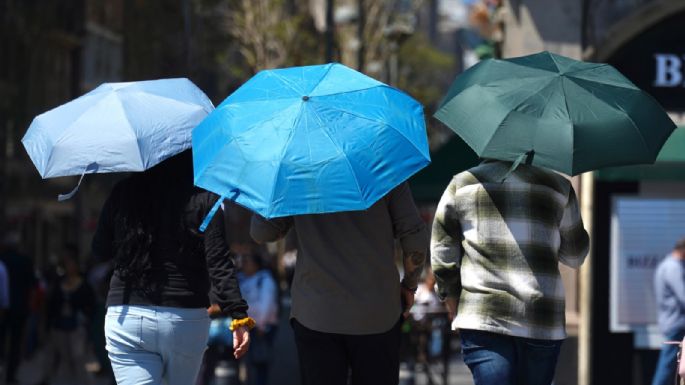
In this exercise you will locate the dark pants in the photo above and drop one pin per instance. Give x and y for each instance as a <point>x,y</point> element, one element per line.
<point>327,358</point>
<point>505,360</point>
<point>13,329</point>
<point>259,355</point>
<point>667,364</point>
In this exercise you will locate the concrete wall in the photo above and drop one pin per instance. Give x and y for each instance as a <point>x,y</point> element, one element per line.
<point>536,25</point>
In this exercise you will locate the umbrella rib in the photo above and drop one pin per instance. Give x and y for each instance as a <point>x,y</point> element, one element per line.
<point>568,113</point>
<point>523,66</point>
<point>285,81</point>
<point>146,93</point>
<point>556,63</point>
<point>135,134</point>
<point>603,82</point>
<point>357,90</point>
<point>535,93</point>
<point>622,112</point>
<point>330,66</point>
<point>59,139</point>
<point>280,163</point>
<point>135,88</point>
<point>323,129</point>
<point>384,123</point>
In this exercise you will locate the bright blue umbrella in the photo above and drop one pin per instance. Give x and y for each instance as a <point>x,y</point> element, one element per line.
<point>307,140</point>
<point>117,127</point>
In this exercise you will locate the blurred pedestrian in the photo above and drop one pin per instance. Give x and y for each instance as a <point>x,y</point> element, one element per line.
<point>70,308</point>
<point>4,290</point>
<point>669,287</point>
<point>259,289</point>
<point>498,237</point>
<point>157,324</point>
<point>22,283</point>
<point>4,307</point>
<point>347,298</point>
<point>98,276</point>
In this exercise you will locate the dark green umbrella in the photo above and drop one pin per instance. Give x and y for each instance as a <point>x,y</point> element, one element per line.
<point>567,115</point>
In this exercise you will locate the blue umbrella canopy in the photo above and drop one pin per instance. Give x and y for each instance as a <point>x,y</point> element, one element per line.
<point>308,140</point>
<point>117,127</point>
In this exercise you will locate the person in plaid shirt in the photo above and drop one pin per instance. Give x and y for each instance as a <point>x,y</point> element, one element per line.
<point>497,239</point>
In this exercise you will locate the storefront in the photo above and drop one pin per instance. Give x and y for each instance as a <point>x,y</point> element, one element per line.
<point>639,212</point>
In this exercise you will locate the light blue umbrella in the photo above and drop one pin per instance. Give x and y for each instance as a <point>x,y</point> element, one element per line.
<point>307,140</point>
<point>117,127</point>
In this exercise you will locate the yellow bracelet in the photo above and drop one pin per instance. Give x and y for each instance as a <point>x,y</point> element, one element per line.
<point>247,321</point>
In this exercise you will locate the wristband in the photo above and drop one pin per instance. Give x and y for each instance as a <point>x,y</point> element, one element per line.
<point>247,321</point>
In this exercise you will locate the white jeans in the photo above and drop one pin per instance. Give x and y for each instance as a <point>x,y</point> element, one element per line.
<point>151,344</point>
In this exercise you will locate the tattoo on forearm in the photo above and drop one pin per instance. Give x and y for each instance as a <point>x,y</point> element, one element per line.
<point>413,266</point>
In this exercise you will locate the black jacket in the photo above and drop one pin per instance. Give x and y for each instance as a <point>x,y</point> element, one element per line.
<point>186,263</point>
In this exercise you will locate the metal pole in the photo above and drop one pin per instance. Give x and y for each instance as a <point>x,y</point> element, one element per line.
<point>187,32</point>
<point>3,173</point>
<point>587,192</point>
<point>361,22</point>
<point>394,62</point>
<point>330,26</point>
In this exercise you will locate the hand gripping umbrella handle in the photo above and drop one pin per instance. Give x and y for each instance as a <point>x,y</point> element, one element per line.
<point>211,214</point>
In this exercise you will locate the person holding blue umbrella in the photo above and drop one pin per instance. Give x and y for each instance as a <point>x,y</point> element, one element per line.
<point>346,295</point>
<point>326,150</point>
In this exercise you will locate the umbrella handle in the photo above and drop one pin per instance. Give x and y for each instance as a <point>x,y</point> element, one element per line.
<point>528,156</point>
<point>211,214</point>
<point>63,197</point>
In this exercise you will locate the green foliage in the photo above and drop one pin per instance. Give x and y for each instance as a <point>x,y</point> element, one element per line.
<point>424,70</point>
<point>270,34</point>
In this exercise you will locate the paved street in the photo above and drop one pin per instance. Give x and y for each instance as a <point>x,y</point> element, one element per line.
<point>284,370</point>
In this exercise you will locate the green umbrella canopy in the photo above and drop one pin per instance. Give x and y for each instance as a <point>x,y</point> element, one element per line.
<point>571,116</point>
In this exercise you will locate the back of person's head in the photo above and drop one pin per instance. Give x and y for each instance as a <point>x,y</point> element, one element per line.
<point>680,246</point>
<point>144,198</point>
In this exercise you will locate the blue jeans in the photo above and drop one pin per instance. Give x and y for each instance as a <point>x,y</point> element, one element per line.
<point>149,344</point>
<point>505,360</point>
<point>666,366</point>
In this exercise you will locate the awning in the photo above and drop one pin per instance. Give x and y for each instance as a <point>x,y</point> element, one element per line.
<point>450,159</point>
<point>669,165</point>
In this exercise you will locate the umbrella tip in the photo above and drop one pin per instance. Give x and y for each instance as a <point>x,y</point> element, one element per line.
<point>305,98</point>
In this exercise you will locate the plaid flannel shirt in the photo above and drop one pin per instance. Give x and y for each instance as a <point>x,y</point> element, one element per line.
<point>496,246</point>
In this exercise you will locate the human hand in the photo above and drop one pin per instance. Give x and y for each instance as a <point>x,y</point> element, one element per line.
<point>451,305</point>
<point>241,341</point>
<point>213,310</point>
<point>407,298</point>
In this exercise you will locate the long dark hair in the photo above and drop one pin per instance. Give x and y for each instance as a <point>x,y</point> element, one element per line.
<point>165,187</point>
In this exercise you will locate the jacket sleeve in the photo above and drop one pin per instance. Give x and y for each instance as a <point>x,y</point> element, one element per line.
<point>222,270</point>
<point>446,251</point>
<point>269,230</point>
<point>411,231</point>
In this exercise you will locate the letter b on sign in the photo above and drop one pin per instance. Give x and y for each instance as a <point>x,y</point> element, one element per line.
<point>668,70</point>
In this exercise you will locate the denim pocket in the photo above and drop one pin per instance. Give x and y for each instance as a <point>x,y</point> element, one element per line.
<point>475,339</point>
<point>190,336</point>
<point>123,332</point>
<point>542,344</point>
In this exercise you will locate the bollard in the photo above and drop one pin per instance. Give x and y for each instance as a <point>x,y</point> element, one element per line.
<point>406,374</point>
<point>226,373</point>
